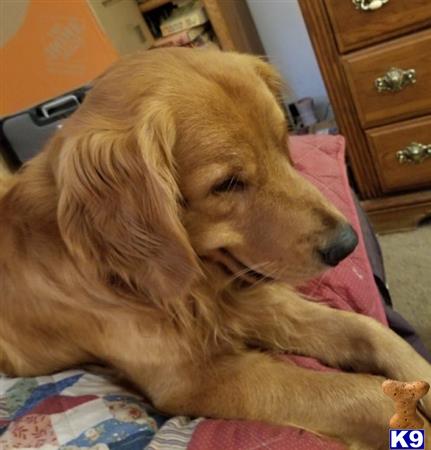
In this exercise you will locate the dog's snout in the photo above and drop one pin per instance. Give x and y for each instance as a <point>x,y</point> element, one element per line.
<point>340,247</point>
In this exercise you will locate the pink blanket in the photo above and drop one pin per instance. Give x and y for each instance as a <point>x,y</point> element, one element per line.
<point>349,286</point>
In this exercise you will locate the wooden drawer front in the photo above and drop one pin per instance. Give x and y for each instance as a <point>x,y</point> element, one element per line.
<point>364,67</point>
<point>354,28</point>
<point>386,141</point>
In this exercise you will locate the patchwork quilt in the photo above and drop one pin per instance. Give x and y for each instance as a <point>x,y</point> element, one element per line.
<point>78,409</point>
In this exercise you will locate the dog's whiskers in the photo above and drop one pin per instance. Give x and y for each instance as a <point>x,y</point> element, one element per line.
<point>254,268</point>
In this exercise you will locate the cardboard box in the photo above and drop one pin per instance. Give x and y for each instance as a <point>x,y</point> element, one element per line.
<point>50,47</point>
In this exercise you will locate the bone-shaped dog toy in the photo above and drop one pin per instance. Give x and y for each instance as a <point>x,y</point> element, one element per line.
<point>406,397</point>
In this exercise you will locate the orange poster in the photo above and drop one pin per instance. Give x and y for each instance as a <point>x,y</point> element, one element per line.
<point>48,47</point>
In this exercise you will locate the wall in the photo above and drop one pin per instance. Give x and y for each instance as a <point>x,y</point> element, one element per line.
<point>284,36</point>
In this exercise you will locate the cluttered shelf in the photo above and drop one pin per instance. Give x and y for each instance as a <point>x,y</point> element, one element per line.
<point>227,25</point>
<point>180,23</point>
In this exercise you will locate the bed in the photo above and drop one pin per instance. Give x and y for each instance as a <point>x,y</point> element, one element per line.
<point>81,409</point>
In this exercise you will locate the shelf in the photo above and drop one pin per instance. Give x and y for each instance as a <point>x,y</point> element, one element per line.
<point>152,4</point>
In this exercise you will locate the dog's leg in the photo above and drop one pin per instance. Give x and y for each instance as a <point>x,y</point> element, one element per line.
<point>341,339</point>
<point>256,386</point>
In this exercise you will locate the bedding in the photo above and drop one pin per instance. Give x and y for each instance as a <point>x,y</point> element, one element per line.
<point>78,409</point>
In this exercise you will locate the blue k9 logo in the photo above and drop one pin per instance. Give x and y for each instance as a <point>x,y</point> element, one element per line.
<point>406,439</point>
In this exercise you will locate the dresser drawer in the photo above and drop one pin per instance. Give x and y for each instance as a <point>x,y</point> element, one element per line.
<point>364,67</point>
<point>386,142</point>
<point>354,28</point>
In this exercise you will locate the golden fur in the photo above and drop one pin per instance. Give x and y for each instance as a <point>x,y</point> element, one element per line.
<point>123,243</point>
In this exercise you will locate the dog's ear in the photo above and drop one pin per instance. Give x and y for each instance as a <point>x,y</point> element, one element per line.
<point>271,77</point>
<point>118,204</point>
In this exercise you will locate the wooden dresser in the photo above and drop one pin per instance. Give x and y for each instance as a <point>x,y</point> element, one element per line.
<point>375,58</point>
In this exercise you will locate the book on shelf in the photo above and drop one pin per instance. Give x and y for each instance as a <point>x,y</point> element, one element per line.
<point>177,39</point>
<point>187,16</point>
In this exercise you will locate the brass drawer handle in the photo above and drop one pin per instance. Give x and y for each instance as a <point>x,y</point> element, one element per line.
<point>395,80</point>
<point>369,5</point>
<point>414,153</point>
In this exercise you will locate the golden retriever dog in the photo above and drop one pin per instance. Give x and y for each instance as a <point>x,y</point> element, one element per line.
<point>162,231</point>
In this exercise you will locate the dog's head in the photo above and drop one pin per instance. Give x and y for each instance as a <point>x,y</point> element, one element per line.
<point>179,158</point>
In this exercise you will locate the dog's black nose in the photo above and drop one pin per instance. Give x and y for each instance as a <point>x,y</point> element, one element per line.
<point>340,247</point>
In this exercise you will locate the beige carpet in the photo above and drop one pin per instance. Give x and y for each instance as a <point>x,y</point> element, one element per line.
<point>408,270</point>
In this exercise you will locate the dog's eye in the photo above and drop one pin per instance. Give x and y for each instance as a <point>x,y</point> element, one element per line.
<point>232,183</point>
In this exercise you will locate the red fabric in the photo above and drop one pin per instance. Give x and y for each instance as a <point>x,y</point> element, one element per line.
<point>247,435</point>
<point>349,286</point>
